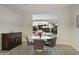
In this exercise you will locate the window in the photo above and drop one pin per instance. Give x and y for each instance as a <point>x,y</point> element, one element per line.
<point>44,16</point>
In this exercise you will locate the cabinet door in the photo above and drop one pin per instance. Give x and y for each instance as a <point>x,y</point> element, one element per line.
<point>5,43</point>
<point>12,41</point>
<point>18,39</point>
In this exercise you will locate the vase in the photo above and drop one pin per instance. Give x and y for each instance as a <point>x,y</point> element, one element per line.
<point>39,35</point>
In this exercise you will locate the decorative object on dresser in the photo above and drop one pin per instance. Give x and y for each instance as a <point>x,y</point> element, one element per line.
<point>11,40</point>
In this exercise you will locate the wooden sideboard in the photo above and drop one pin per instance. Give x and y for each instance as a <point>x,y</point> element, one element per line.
<point>11,40</point>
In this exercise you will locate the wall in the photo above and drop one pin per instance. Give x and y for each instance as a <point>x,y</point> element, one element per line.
<point>75,29</point>
<point>64,26</point>
<point>64,19</point>
<point>9,20</point>
<point>17,21</point>
<point>27,24</point>
<point>68,33</point>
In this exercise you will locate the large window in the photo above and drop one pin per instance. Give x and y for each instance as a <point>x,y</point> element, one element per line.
<point>45,21</point>
<point>44,16</point>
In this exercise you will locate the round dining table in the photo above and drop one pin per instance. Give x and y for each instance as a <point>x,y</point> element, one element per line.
<point>45,38</point>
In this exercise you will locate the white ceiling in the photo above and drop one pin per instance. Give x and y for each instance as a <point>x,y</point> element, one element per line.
<point>34,7</point>
<point>16,7</point>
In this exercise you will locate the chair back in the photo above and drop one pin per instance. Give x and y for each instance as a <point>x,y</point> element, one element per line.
<point>27,39</point>
<point>38,44</point>
<point>52,42</point>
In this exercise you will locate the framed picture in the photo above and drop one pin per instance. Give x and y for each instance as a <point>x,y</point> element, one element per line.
<point>77,20</point>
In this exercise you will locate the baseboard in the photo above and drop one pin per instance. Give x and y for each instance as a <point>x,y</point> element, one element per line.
<point>77,49</point>
<point>63,43</point>
<point>69,44</point>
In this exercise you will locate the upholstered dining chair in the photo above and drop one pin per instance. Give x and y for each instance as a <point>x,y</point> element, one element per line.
<point>38,45</point>
<point>29,42</point>
<point>51,44</point>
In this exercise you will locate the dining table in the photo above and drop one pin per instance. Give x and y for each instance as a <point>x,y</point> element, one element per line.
<point>44,38</point>
<point>33,38</point>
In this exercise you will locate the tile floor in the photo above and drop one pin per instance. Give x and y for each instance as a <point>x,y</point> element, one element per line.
<point>57,50</point>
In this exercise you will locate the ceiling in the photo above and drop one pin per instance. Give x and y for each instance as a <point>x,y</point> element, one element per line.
<point>34,7</point>
<point>16,7</point>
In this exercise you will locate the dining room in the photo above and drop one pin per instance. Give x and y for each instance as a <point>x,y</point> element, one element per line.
<point>38,29</point>
<point>31,29</point>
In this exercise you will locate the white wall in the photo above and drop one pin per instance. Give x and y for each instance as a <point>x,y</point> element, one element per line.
<point>27,24</point>
<point>17,21</point>
<point>64,19</point>
<point>64,26</point>
<point>68,33</point>
<point>9,20</point>
<point>75,29</point>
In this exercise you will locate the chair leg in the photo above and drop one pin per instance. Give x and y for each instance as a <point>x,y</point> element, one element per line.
<point>27,45</point>
<point>51,50</point>
<point>54,50</point>
<point>48,50</point>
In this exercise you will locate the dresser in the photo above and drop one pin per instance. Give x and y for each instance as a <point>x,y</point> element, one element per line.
<point>11,40</point>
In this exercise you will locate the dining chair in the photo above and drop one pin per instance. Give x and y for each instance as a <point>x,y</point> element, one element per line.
<point>29,42</point>
<point>38,46</point>
<point>51,44</point>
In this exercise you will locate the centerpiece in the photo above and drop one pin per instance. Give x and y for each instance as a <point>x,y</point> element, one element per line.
<point>39,32</point>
